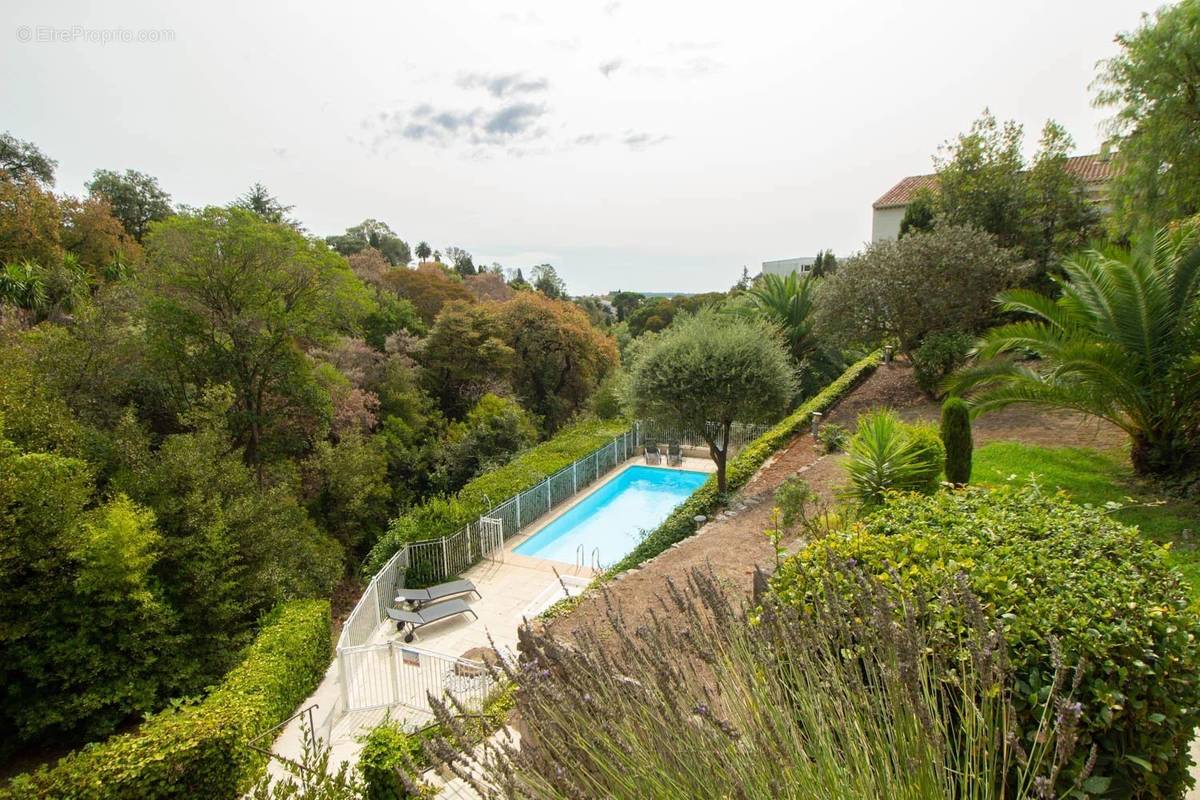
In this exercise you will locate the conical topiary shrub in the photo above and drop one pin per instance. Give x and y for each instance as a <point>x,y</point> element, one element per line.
<point>956,436</point>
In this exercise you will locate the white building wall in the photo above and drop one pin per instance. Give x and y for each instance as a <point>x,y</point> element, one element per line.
<point>885,223</point>
<point>786,266</point>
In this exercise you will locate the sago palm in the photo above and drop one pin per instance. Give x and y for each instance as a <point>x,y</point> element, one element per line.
<point>1121,343</point>
<point>788,302</point>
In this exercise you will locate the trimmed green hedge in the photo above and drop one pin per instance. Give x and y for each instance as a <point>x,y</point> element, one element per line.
<point>200,752</point>
<point>440,516</point>
<point>1046,569</point>
<point>682,524</point>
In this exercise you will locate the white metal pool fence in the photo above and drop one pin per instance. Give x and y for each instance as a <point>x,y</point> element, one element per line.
<point>438,559</point>
<point>397,674</point>
<point>373,675</point>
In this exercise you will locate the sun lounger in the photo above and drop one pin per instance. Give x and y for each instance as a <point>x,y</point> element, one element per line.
<point>674,454</point>
<point>652,454</point>
<point>418,597</point>
<point>428,614</point>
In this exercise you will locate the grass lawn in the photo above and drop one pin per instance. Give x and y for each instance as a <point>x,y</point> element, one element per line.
<point>1092,477</point>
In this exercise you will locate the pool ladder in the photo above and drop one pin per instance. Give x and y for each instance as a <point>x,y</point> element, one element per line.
<point>579,564</point>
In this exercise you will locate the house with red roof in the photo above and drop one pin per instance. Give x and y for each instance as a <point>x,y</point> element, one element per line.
<point>1095,170</point>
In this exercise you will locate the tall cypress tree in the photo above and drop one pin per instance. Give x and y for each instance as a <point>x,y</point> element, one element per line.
<point>956,436</point>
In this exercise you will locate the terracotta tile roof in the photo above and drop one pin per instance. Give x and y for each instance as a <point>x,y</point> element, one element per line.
<point>902,192</point>
<point>1091,168</point>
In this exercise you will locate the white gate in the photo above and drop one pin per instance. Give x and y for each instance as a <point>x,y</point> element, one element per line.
<point>491,538</point>
<point>383,675</point>
<point>368,677</point>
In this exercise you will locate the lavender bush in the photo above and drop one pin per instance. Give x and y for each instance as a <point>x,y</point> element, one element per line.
<point>843,699</point>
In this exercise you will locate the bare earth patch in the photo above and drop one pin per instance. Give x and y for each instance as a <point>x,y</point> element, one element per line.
<point>734,543</point>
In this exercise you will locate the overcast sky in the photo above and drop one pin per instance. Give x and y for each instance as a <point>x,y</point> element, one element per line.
<point>641,144</point>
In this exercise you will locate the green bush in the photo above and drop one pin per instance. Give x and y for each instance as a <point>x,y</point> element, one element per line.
<point>389,750</point>
<point>1061,578</point>
<point>887,454</point>
<point>939,355</point>
<point>386,750</point>
<point>492,432</point>
<point>606,400</point>
<point>833,437</point>
<point>200,752</point>
<point>956,437</point>
<point>440,516</point>
<point>682,524</point>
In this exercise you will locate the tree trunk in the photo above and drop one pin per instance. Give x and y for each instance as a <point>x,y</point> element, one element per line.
<point>720,454</point>
<point>719,457</point>
<point>1164,455</point>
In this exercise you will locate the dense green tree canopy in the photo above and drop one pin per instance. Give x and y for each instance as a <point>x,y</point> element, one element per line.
<point>929,281</point>
<point>82,621</point>
<point>1153,88</point>
<point>21,160</point>
<point>626,302</point>
<point>559,357</point>
<point>491,433</point>
<point>372,233</point>
<point>136,198</point>
<point>708,371</point>
<point>230,298</point>
<point>259,200</point>
<point>1039,209</point>
<point>465,357</point>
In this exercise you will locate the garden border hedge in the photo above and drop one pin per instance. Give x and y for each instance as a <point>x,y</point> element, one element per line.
<point>200,752</point>
<point>441,516</point>
<point>682,524</point>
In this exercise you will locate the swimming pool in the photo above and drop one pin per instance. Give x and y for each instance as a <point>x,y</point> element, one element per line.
<point>612,517</point>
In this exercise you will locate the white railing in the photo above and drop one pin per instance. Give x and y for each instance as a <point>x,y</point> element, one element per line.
<point>394,674</point>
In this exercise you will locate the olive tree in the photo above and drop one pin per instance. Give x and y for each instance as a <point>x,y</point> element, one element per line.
<point>708,371</point>
<point>929,281</point>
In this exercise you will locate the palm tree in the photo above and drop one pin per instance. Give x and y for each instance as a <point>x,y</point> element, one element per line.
<point>1122,343</point>
<point>44,293</point>
<point>23,285</point>
<point>788,302</point>
<point>423,250</point>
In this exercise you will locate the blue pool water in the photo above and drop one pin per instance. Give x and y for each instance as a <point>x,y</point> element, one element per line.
<point>612,517</point>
